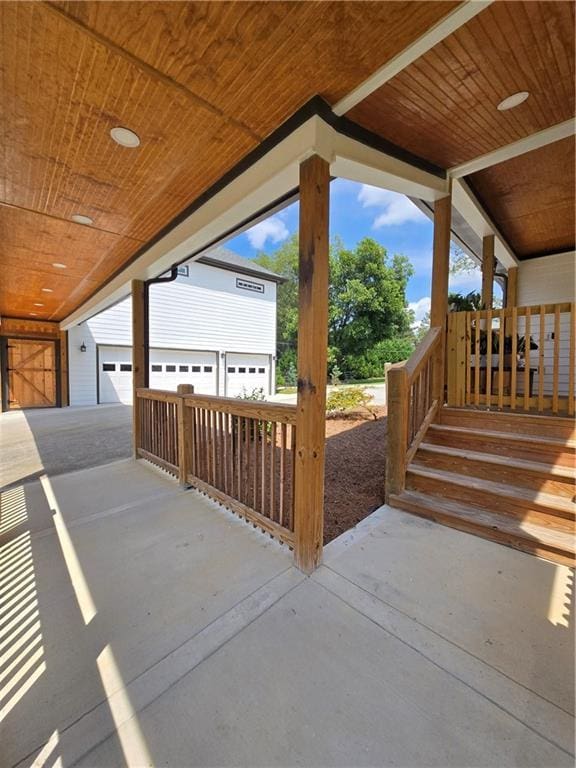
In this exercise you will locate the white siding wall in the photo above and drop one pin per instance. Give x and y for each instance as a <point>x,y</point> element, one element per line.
<point>205,311</point>
<point>548,280</point>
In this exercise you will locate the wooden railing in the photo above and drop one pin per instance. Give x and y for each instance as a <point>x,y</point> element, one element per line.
<point>518,358</point>
<point>240,453</point>
<point>157,428</point>
<point>414,396</point>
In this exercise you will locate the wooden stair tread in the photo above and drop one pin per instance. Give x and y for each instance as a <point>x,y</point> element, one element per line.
<point>501,489</point>
<point>533,533</point>
<point>532,418</point>
<point>506,436</point>
<point>511,462</point>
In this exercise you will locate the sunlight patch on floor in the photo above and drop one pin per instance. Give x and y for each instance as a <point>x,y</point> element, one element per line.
<point>560,597</point>
<point>128,729</point>
<point>77,578</point>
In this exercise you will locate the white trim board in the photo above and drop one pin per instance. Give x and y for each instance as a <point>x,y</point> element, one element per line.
<point>434,35</point>
<point>464,200</point>
<point>515,149</point>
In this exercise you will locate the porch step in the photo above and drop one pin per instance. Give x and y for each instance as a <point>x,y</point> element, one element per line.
<point>562,428</point>
<point>538,476</point>
<point>551,544</point>
<point>545,450</point>
<point>543,509</point>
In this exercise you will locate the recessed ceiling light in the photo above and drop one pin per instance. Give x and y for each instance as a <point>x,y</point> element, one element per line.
<point>47,290</point>
<point>58,265</point>
<point>513,101</point>
<point>125,137</point>
<point>37,304</point>
<point>80,219</point>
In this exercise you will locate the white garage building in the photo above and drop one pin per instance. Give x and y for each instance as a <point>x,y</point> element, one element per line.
<point>213,327</point>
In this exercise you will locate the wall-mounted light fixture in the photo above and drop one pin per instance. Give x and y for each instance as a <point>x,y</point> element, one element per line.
<point>82,347</point>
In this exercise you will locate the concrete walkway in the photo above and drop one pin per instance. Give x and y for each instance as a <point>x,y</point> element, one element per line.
<point>58,440</point>
<point>378,392</point>
<point>147,626</point>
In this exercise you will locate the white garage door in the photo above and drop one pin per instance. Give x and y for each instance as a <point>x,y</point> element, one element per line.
<point>246,372</point>
<point>168,368</point>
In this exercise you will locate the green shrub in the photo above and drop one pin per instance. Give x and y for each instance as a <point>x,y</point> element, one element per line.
<point>346,399</point>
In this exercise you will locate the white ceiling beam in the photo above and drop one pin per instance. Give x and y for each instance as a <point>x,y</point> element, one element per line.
<point>434,35</point>
<point>528,144</point>
<point>358,162</point>
<point>468,205</point>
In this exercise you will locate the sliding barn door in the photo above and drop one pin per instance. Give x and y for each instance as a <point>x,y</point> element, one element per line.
<point>31,373</point>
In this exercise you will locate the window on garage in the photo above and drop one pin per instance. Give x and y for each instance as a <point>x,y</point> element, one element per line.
<point>125,366</point>
<point>170,369</point>
<point>251,370</point>
<point>261,370</point>
<point>156,368</point>
<point>108,366</point>
<point>231,369</point>
<point>195,368</point>
<point>183,368</point>
<point>207,369</point>
<point>241,370</point>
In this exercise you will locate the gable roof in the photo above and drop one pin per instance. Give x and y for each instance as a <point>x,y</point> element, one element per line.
<point>225,259</point>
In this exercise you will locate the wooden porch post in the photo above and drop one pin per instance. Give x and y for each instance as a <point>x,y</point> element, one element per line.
<point>312,363</point>
<point>440,273</point>
<point>138,355</point>
<point>185,434</point>
<point>488,271</point>
<point>512,287</point>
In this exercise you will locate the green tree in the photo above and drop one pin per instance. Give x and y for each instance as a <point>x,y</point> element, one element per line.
<point>367,297</point>
<point>367,306</point>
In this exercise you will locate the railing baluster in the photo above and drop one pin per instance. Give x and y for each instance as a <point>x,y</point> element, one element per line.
<point>477,359</point>
<point>489,358</point>
<point>571,358</point>
<point>527,392</point>
<point>541,341</point>
<point>514,370</point>
<point>556,369</point>
<point>501,360</point>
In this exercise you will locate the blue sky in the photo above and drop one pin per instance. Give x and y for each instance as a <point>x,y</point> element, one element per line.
<point>357,211</point>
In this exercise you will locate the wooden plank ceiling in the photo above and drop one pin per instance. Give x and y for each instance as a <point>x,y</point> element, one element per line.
<point>201,83</point>
<point>443,108</point>
<point>531,198</point>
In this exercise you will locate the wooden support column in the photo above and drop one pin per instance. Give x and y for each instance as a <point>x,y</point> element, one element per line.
<point>488,264</point>
<point>185,433</point>
<point>439,294</point>
<point>397,399</point>
<point>312,363</point>
<point>138,354</point>
<point>512,287</point>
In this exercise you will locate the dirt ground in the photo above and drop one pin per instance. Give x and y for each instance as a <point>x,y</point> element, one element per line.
<point>355,470</point>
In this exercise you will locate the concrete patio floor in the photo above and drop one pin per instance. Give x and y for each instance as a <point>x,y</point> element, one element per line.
<point>58,440</point>
<point>145,625</point>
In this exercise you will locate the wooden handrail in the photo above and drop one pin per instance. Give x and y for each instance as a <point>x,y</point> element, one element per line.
<point>251,409</point>
<point>419,357</point>
<point>414,396</point>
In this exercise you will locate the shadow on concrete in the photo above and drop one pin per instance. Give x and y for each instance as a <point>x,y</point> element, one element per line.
<point>62,440</point>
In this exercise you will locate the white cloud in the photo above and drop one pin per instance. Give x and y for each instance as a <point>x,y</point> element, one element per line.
<point>420,308</point>
<point>464,282</point>
<point>393,208</point>
<point>273,229</point>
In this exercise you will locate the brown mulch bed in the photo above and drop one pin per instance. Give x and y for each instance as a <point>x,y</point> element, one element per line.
<point>355,470</point>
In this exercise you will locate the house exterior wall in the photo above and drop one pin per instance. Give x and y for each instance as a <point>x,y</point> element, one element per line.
<point>548,280</point>
<point>204,311</point>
